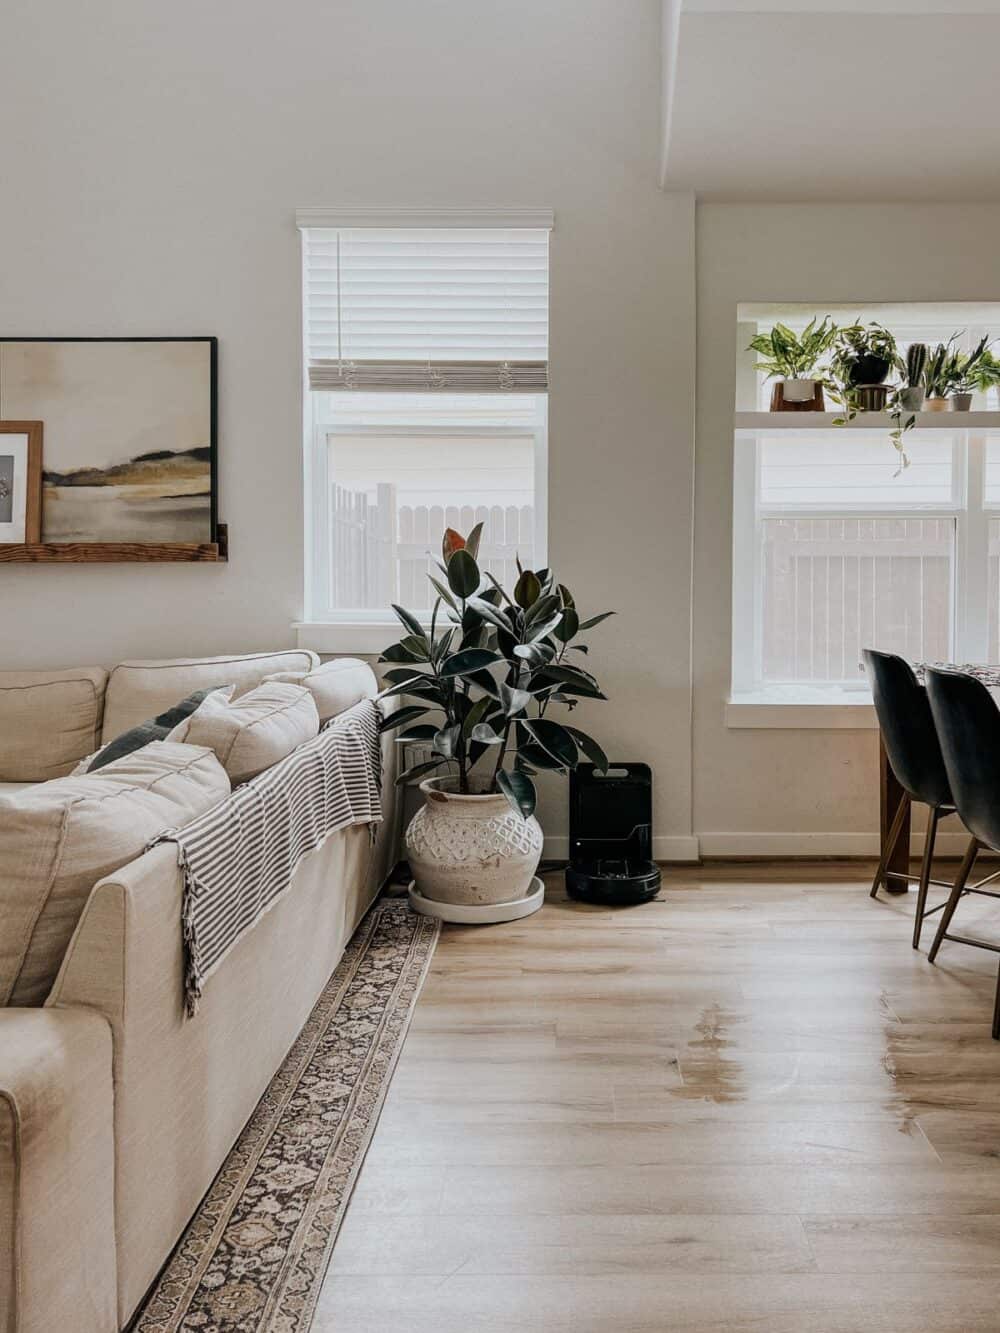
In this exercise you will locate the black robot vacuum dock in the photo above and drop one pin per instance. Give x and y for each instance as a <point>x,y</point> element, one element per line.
<point>611,836</point>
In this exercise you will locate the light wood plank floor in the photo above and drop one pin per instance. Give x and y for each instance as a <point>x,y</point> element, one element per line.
<point>748,1106</point>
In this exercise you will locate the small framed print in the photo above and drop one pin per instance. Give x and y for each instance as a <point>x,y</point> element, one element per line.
<point>20,482</point>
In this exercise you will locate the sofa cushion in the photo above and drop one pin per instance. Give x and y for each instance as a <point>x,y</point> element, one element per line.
<point>253,732</point>
<point>335,685</point>
<point>48,721</point>
<point>58,839</point>
<point>153,729</point>
<point>138,690</point>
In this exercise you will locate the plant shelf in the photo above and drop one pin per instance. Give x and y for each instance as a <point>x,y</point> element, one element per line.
<point>48,553</point>
<point>767,423</point>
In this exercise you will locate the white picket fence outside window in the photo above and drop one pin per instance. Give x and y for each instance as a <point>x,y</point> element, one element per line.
<point>832,586</point>
<point>382,552</point>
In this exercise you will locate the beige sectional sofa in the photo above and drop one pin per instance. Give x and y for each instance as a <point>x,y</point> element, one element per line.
<point>116,1110</point>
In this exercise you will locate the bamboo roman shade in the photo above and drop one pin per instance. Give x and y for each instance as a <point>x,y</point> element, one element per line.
<point>437,309</point>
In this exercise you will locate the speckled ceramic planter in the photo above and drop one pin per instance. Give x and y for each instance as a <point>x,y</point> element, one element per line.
<point>471,849</point>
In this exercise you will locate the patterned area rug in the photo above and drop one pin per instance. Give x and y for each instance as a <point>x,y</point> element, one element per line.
<point>254,1256</point>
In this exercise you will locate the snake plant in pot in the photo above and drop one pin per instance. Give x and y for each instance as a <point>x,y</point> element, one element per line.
<point>481,685</point>
<point>941,374</point>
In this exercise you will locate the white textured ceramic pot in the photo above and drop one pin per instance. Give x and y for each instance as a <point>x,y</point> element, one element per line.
<point>471,849</point>
<point>798,391</point>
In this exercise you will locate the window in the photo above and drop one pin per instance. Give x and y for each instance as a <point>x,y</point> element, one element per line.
<point>837,549</point>
<point>426,354</point>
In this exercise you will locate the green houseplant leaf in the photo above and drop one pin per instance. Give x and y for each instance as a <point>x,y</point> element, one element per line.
<point>590,748</point>
<point>401,717</point>
<point>554,739</point>
<point>520,791</point>
<point>469,661</point>
<point>463,574</point>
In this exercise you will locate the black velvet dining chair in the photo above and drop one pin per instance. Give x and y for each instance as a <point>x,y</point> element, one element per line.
<point>967,721</point>
<point>914,754</point>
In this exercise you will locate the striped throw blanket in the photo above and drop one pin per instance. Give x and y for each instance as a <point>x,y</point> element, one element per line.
<point>239,858</point>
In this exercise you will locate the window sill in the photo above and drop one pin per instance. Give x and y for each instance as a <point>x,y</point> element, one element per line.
<point>360,637</point>
<point>808,709</point>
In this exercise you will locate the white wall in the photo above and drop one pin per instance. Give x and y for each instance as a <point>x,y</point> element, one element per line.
<point>761,791</point>
<point>153,158</point>
<point>150,189</point>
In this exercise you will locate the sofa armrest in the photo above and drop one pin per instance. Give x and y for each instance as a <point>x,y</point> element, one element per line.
<point>57,1241</point>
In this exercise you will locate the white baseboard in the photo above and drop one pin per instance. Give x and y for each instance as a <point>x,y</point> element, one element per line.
<point>676,847</point>
<point>819,844</point>
<point>690,848</point>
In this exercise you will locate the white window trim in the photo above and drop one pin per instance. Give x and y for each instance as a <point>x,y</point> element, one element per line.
<point>748,713</point>
<point>751,705</point>
<point>417,216</point>
<point>359,638</point>
<point>323,629</point>
<point>848,708</point>
<point>327,629</point>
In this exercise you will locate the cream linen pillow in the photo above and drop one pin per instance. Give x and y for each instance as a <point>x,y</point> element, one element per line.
<point>253,732</point>
<point>59,838</point>
<point>137,690</point>
<point>48,721</point>
<point>335,686</point>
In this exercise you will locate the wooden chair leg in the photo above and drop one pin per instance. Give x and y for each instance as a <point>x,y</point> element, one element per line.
<point>925,874</point>
<point>996,1011</point>
<point>957,889</point>
<point>890,843</point>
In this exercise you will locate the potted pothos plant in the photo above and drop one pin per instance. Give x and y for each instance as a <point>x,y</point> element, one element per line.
<point>480,685</point>
<point>863,355</point>
<point>793,358</point>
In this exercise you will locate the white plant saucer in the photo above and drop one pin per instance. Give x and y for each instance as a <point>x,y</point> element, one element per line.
<point>487,914</point>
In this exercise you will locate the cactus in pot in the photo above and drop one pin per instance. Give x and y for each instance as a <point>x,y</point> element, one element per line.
<point>911,395</point>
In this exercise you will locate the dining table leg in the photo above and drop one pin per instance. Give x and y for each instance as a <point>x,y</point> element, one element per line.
<point>891,794</point>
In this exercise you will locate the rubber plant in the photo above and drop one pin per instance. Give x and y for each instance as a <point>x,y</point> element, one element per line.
<point>483,678</point>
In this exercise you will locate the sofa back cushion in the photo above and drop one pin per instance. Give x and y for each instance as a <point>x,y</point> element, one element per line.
<point>49,720</point>
<point>153,729</point>
<point>253,732</point>
<point>58,839</point>
<point>335,685</point>
<point>139,690</point>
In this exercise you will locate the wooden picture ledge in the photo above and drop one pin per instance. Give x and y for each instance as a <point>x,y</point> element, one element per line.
<point>48,553</point>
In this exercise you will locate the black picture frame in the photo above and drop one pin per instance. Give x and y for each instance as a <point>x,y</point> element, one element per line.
<point>213,344</point>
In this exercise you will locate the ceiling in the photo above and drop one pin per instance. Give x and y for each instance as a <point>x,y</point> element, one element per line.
<point>832,99</point>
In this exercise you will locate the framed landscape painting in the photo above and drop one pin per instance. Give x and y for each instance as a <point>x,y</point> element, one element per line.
<point>130,435</point>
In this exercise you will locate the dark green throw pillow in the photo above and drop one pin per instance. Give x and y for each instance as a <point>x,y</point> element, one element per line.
<point>155,729</point>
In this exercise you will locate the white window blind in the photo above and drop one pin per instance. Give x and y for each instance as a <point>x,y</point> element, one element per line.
<point>426,309</point>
